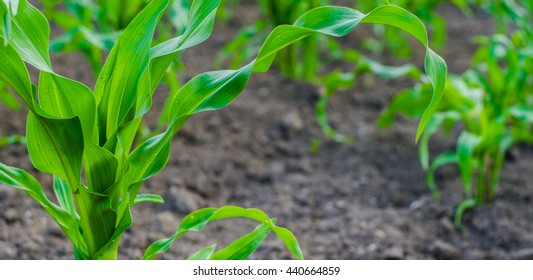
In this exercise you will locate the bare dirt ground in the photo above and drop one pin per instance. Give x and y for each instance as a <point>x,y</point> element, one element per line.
<point>367,200</point>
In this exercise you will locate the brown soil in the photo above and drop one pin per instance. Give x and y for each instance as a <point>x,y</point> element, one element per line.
<point>367,200</point>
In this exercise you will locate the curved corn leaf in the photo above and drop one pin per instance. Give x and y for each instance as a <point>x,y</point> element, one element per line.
<point>20,179</point>
<point>239,249</point>
<point>29,35</point>
<point>437,122</point>
<point>461,209</point>
<point>197,221</point>
<point>118,82</point>
<point>442,159</point>
<point>203,254</point>
<point>245,246</point>
<point>64,196</point>
<point>214,90</point>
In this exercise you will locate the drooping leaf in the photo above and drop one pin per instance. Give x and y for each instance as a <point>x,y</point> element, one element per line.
<point>197,221</point>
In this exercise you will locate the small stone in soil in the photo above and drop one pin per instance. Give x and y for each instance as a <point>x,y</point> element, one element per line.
<point>181,201</point>
<point>7,251</point>
<point>443,250</point>
<point>11,215</point>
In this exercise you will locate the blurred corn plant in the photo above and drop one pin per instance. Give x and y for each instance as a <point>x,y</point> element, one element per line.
<point>506,13</point>
<point>85,137</point>
<point>492,101</point>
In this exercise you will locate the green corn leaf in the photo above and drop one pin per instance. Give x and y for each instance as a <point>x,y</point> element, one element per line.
<point>245,246</point>
<point>118,82</point>
<point>433,127</point>
<point>61,129</point>
<point>8,9</point>
<point>20,179</point>
<point>466,145</point>
<point>5,18</point>
<point>435,66</point>
<point>197,221</point>
<point>435,124</point>
<point>442,159</point>
<point>323,121</point>
<point>204,253</point>
<point>202,17</point>
<point>64,196</point>
<point>30,36</point>
<point>152,198</point>
<point>461,209</point>
<point>12,139</point>
<point>239,249</point>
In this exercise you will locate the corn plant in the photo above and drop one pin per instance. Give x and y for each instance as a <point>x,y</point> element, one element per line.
<point>493,102</point>
<point>85,137</point>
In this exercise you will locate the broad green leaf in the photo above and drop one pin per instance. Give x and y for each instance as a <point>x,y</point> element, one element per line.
<point>61,130</point>
<point>197,221</point>
<point>56,97</point>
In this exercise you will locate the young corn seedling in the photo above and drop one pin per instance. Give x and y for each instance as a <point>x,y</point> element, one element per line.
<point>493,102</point>
<point>85,137</point>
